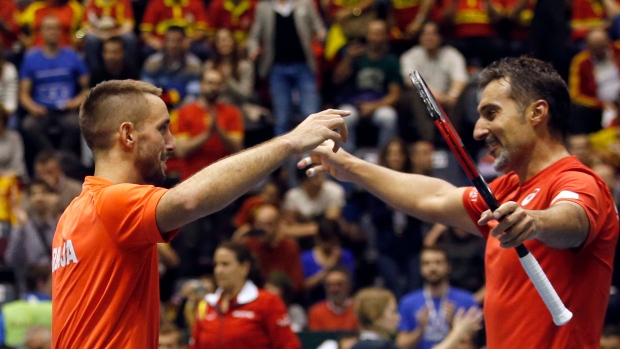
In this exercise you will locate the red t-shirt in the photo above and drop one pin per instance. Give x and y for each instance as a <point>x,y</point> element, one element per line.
<point>585,15</point>
<point>119,10</point>
<point>285,258</point>
<point>472,19</point>
<point>193,120</point>
<point>105,280</point>
<point>322,318</point>
<point>9,14</point>
<point>163,14</point>
<point>236,17</point>
<point>256,319</point>
<point>404,12</point>
<point>69,14</point>
<point>515,315</point>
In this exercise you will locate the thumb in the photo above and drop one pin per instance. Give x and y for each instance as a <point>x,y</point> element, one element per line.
<point>486,217</point>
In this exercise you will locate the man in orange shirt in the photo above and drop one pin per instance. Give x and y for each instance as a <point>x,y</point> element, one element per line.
<point>336,312</point>
<point>104,259</point>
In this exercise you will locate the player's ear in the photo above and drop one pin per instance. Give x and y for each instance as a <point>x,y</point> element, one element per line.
<point>539,111</point>
<point>127,134</point>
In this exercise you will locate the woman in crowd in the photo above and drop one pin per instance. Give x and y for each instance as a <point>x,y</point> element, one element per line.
<point>239,315</point>
<point>238,74</point>
<point>377,314</point>
<point>326,254</point>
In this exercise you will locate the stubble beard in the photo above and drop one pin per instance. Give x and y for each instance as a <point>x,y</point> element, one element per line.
<point>149,166</point>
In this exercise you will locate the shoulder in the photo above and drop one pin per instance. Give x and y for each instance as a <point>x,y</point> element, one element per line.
<point>460,294</point>
<point>412,299</point>
<point>412,52</point>
<point>154,62</point>
<point>317,308</point>
<point>8,70</point>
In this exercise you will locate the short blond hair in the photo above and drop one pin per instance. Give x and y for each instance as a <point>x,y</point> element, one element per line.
<point>111,103</point>
<point>370,304</point>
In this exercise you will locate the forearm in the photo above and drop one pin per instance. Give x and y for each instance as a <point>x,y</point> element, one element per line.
<point>564,225</point>
<point>343,70</point>
<point>187,146</point>
<point>299,230</point>
<point>315,280</point>
<point>401,194</point>
<point>219,184</point>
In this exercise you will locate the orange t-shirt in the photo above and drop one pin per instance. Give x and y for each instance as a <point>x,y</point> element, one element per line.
<point>105,281</point>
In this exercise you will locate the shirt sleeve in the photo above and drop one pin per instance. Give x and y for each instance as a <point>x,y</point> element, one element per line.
<point>128,213</point>
<point>148,20</point>
<point>586,191</point>
<point>279,324</point>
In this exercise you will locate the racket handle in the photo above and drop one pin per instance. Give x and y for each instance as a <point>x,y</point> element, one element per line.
<point>560,314</point>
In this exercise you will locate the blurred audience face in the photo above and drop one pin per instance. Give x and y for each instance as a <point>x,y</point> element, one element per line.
<point>395,157</point>
<point>337,287</point>
<point>610,342</point>
<point>41,199</point>
<point>174,44</point>
<point>224,42</point>
<point>377,36</point>
<point>270,194</point>
<point>266,219</point>
<point>579,145</point>
<point>390,318</point>
<point>49,171</point>
<point>597,42</point>
<point>434,266</point>
<point>113,53</point>
<point>51,30</point>
<point>421,157</point>
<point>229,273</point>
<point>312,185</point>
<point>211,85</point>
<point>429,36</point>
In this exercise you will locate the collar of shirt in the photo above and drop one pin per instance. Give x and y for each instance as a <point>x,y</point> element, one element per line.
<point>369,335</point>
<point>248,293</point>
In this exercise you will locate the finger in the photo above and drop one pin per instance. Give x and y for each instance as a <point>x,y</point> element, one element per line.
<point>485,217</point>
<point>316,169</point>
<point>304,162</point>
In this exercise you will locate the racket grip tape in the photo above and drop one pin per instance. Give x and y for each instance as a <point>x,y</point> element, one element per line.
<point>560,314</point>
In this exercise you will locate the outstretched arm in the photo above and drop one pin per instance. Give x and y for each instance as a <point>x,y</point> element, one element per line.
<point>426,198</point>
<point>218,185</point>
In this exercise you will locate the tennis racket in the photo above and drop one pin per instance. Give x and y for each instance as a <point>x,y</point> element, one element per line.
<point>560,314</point>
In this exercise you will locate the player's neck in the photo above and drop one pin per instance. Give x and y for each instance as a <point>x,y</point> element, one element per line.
<point>116,171</point>
<point>437,290</point>
<point>541,158</point>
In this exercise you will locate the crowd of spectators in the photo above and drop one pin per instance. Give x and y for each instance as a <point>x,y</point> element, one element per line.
<point>236,72</point>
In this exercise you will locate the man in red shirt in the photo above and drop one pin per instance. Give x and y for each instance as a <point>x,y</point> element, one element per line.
<point>208,129</point>
<point>68,12</point>
<point>336,312</point>
<point>205,132</point>
<point>274,251</point>
<point>558,208</point>
<point>104,259</point>
<point>236,15</point>
<point>163,14</point>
